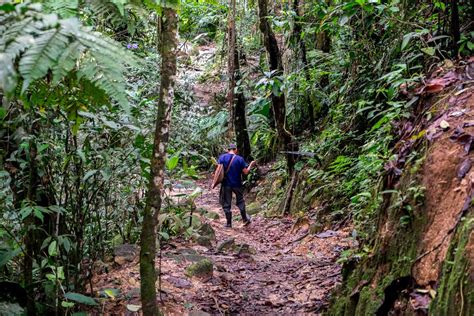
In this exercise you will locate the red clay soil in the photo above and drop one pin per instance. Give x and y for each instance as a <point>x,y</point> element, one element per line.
<point>284,273</point>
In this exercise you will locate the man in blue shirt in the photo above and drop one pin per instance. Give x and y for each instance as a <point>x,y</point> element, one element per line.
<point>234,166</point>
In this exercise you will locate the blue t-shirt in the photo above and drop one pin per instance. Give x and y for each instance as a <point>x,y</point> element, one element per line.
<point>233,178</point>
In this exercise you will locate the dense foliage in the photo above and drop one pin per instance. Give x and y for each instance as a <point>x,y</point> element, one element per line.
<point>78,82</point>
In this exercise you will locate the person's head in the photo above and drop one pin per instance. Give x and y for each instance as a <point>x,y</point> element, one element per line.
<point>232,148</point>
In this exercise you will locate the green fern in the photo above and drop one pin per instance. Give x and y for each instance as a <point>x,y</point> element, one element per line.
<point>107,11</point>
<point>63,8</point>
<point>34,44</point>
<point>40,57</point>
<point>67,61</point>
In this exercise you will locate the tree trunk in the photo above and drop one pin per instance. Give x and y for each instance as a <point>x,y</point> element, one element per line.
<point>278,101</point>
<point>455,29</point>
<point>168,48</point>
<point>231,32</point>
<point>237,120</point>
<point>301,44</point>
<point>240,120</point>
<point>323,43</point>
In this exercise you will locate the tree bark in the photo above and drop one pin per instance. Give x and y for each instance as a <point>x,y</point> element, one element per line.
<point>455,29</point>
<point>168,40</point>
<point>237,120</point>
<point>240,120</point>
<point>275,62</point>
<point>231,32</point>
<point>301,44</point>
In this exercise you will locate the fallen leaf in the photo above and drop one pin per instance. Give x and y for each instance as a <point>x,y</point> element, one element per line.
<point>464,168</point>
<point>133,308</point>
<point>444,125</point>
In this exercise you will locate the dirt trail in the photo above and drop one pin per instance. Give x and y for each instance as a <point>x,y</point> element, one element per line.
<point>287,269</point>
<point>285,274</point>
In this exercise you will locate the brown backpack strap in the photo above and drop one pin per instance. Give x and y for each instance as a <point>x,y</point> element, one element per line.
<point>230,164</point>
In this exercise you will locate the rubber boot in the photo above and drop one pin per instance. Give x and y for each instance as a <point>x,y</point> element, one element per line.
<point>228,217</point>
<point>245,217</point>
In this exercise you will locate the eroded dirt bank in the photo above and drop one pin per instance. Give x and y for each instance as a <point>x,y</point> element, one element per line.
<point>421,258</point>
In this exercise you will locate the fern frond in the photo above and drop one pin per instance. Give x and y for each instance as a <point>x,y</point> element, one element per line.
<point>5,19</point>
<point>33,44</point>
<point>63,8</point>
<point>19,45</point>
<point>67,61</point>
<point>40,57</point>
<point>100,44</point>
<point>23,27</point>
<point>104,73</point>
<point>107,11</point>
<point>8,75</point>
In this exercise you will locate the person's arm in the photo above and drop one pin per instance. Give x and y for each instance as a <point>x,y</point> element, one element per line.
<point>247,170</point>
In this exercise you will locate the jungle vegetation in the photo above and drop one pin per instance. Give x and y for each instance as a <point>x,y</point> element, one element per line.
<point>97,120</point>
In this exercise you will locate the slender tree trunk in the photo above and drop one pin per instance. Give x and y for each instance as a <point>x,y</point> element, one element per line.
<point>323,43</point>
<point>31,234</point>
<point>237,120</point>
<point>231,32</point>
<point>240,121</point>
<point>278,101</point>
<point>301,44</point>
<point>455,29</point>
<point>168,40</point>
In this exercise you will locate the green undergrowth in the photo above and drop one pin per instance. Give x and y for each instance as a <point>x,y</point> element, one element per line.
<point>388,257</point>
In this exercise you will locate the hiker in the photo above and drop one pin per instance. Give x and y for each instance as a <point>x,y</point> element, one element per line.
<point>234,166</point>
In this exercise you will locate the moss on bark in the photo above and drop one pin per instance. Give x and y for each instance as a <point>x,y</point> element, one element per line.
<point>456,288</point>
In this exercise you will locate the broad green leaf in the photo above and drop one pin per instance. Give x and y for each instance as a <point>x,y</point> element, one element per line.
<point>120,4</point>
<point>38,214</point>
<point>112,293</point>
<point>89,174</point>
<point>67,304</point>
<point>406,39</point>
<point>7,7</point>
<point>172,162</point>
<point>79,298</point>
<point>428,50</point>
<point>164,235</point>
<point>25,212</point>
<point>52,249</point>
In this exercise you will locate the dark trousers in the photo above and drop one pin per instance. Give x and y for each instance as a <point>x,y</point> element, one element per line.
<point>226,200</point>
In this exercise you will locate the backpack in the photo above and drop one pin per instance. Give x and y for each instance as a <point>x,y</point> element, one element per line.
<point>219,174</point>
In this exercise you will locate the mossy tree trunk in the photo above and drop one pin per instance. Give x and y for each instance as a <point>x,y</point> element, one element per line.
<point>275,63</point>
<point>168,40</point>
